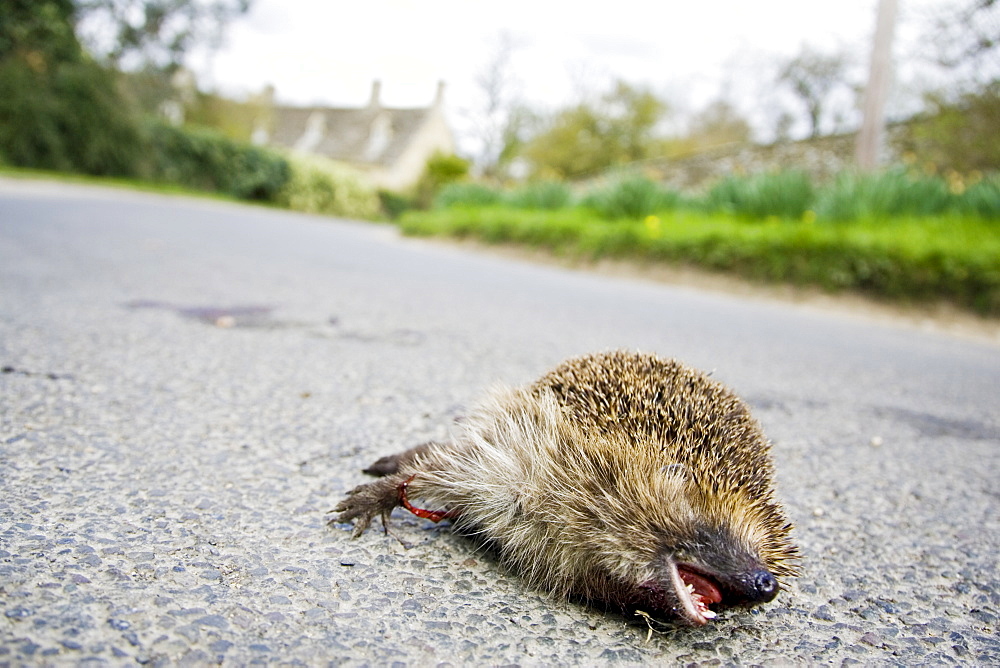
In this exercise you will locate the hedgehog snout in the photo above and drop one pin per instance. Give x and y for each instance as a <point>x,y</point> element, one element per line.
<point>749,587</point>
<point>760,586</point>
<point>742,578</point>
<point>766,586</point>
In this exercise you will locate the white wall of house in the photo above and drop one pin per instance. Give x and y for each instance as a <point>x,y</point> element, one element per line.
<point>433,137</point>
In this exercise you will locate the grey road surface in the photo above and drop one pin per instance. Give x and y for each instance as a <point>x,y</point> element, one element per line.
<point>188,386</point>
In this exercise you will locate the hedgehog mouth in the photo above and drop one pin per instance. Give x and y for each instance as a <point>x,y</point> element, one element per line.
<point>695,592</point>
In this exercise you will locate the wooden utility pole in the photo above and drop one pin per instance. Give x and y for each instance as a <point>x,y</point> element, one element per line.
<point>872,134</point>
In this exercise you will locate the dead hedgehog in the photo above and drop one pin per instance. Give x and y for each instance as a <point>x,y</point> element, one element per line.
<point>620,478</point>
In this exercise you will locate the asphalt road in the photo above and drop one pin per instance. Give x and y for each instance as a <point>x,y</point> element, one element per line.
<point>189,385</point>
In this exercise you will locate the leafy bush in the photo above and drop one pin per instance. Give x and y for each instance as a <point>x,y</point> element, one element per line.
<point>441,170</point>
<point>786,194</point>
<point>631,197</point>
<point>207,160</point>
<point>68,117</point>
<point>467,194</point>
<point>318,185</point>
<point>58,109</point>
<point>548,195</point>
<point>394,204</point>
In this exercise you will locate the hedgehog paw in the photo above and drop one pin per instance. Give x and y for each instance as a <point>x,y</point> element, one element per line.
<point>364,502</point>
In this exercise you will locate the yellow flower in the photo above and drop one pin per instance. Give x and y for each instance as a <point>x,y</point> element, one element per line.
<point>955,183</point>
<point>652,225</point>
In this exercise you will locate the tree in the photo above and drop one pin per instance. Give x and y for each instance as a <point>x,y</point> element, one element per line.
<point>521,125</point>
<point>969,35</point>
<point>571,145</point>
<point>958,135</point>
<point>958,126</point>
<point>499,120</point>
<point>154,32</point>
<point>813,76</point>
<point>719,123</point>
<point>58,109</point>
<point>616,129</point>
<point>38,32</point>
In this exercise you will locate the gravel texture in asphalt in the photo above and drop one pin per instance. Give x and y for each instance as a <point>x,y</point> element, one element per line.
<point>188,386</point>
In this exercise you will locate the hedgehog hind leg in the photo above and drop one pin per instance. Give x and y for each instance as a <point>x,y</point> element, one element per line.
<point>391,464</point>
<point>364,502</point>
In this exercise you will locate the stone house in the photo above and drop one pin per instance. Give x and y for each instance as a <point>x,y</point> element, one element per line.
<point>390,145</point>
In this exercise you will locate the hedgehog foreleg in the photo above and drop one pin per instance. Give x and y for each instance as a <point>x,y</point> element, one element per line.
<point>392,463</point>
<point>364,502</point>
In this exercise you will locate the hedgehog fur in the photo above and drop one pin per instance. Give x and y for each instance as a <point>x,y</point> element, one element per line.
<point>621,478</point>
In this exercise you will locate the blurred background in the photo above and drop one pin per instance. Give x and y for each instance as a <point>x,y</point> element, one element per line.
<point>771,70</point>
<point>650,129</point>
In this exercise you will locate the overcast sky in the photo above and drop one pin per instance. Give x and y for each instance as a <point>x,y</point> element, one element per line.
<point>329,51</point>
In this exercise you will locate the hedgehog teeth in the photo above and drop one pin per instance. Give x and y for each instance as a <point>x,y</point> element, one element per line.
<point>694,593</point>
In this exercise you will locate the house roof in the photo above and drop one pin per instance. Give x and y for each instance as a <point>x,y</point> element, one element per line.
<point>374,135</point>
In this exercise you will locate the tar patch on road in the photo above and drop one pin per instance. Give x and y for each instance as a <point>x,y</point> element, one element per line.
<point>217,316</point>
<point>258,316</point>
<point>936,426</point>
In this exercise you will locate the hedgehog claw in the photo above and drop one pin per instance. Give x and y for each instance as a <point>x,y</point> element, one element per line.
<point>365,502</point>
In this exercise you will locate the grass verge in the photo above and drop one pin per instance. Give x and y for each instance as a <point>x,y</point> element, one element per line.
<point>125,183</point>
<point>907,259</point>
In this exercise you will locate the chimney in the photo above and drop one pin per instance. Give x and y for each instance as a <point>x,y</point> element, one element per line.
<point>375,102</point>
<point>439,97</point>
<point>266,96</point>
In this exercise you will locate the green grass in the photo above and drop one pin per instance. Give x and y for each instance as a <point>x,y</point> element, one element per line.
<point>139,185</point>
<point>787,194</point>
<point>548,195</point>
<point>895,234</point>
<point>854,196</point>
<point>467,194</point>
<point>630,197</point>
<point>909,258</point>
